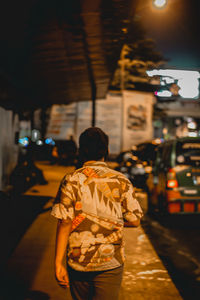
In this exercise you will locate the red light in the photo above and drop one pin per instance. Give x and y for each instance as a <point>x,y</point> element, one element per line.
<point>189,207</point>
<point>172,183</point>
<point>171,179</point>
<point>174,207</point>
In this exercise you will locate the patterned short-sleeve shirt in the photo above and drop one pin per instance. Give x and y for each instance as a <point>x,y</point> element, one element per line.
<point>97,199</point>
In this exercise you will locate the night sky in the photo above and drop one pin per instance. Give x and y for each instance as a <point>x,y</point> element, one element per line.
<point>176,30</point>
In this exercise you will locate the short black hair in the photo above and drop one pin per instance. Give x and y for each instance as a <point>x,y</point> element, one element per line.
<point>93,144</point>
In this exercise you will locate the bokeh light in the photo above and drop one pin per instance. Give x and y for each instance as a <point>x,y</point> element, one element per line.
<point>159,3</point>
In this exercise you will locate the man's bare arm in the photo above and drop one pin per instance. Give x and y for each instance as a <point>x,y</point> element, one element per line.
<point>63,231</point>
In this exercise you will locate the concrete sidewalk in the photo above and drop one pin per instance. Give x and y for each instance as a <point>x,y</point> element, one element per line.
<point>29,273</point>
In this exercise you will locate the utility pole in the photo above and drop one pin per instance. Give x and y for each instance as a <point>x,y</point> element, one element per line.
<point>90,75</point>
<point>123,61</point>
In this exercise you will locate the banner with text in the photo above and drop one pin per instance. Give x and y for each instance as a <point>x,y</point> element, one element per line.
<point>137,118</point>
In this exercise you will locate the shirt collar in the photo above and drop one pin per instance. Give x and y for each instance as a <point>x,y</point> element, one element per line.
<point>95,163</point>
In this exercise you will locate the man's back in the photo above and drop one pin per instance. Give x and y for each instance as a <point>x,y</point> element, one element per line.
<point>96,197</point>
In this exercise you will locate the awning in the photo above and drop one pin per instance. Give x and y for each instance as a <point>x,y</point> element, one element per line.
<point>61,51</point>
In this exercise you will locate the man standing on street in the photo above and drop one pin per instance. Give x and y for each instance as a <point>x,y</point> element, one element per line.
<point>92,206</point>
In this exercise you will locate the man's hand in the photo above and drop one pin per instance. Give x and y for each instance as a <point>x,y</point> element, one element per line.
<point>135,223</point>
<point>61,275</point>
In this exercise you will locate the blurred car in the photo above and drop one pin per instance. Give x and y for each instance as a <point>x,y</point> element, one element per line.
<point>136,164</point>
<point>174,185</point>
<point>146,151</point>
<point>132,168</point>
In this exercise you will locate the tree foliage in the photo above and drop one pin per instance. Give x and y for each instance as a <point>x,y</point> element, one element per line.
<point>138,55</point>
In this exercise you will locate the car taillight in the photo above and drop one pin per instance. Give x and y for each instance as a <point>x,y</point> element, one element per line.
<point>171,179</point>
<point>189,207</point>
<point>174,207</point>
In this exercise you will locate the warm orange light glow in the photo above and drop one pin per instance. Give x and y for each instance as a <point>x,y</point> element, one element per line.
<point>189,207</point>
<point>174,207</point>
<point>171,176</point>
<point>172,183</point>
<point>173,195</point>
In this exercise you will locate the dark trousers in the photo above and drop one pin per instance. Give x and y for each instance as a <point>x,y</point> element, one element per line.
<point>99,285</point>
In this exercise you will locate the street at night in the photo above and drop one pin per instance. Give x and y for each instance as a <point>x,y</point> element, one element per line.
<point>162,257</point>
<point>100,145</point>
<point>177,242</point>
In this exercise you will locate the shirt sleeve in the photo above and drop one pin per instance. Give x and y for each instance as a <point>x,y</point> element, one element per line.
<point>63,207</point>
<point>131,209</point>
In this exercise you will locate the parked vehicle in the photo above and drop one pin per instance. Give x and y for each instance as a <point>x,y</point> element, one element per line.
<point>136,164</point>
<point>174,185</point>
<point>147,151</point>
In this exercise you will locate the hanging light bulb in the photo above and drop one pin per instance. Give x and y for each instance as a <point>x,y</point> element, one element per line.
<point>159,3</point>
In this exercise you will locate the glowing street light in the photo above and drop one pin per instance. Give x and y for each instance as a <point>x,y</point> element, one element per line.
<point>159,3</point>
